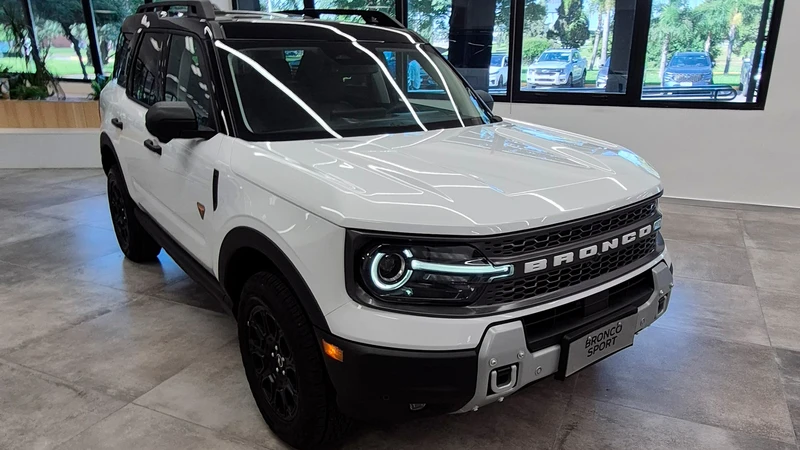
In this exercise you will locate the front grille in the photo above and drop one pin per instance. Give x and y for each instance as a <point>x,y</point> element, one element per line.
<point>688,77</point>
<point>562,235</point>
<point>554,280</point>
<point>546,328</point>
<point>547,71</point>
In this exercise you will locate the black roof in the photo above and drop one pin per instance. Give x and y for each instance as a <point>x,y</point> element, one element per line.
<point>200,17</point>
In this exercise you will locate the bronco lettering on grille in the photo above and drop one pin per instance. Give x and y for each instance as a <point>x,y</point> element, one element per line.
<point>589,251</point>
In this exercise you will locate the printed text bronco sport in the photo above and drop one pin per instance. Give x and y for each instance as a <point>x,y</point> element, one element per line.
<point>389,253</point>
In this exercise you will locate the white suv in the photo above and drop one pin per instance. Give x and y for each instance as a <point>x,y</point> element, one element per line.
<point>388,254</point>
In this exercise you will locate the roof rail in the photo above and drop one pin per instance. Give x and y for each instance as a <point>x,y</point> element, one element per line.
<point>202,9</point>
<point>371,17</point>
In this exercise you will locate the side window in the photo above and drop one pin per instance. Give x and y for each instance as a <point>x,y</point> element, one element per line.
<point>187,78</point>
<point>120,72</point>
<point>145,83</point>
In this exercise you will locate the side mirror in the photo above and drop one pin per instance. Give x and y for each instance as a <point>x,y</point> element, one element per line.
<point>486,97</point>
<point>174,120</point>
<point>713,63</point>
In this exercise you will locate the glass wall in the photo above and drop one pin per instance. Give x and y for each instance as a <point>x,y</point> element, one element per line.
<point>62,38</point>
<point>706,49</point>
<point>474,35</point>
<point>693,53</point>
<point>568,45</point>
<point>15,42</point>
<point>108,17</point>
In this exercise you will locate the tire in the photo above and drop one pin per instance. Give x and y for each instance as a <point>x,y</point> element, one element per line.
<point>298,403</point>
<point>570,81</point>
<point>501,82</point>
<point>134,241</point>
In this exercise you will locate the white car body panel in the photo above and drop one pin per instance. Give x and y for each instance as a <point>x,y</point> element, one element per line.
<point>479,180</point>
<point>388,329</point>
<point>303,195</point>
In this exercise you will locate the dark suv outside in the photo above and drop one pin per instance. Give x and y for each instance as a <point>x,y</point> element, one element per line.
<point>687,69</point>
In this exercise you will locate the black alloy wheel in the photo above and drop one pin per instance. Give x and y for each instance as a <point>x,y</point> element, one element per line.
<point>273,362</point>
<point>119,216</point>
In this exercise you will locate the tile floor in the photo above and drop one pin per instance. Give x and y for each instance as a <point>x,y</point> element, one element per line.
<point>98,352</point>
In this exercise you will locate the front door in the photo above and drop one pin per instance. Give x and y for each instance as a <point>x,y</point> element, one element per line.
<point>187,166</point>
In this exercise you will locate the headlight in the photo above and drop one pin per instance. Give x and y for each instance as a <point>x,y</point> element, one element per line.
<point>420,274</point>
<point>757,77</point>
<point>669,76</point>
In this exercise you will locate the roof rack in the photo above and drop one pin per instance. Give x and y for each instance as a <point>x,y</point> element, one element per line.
<point>370,17</point>
<point>202,9</point>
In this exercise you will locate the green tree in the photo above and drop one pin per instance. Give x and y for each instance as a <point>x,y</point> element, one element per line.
<point>68,14</point>
<point>533,24</point>
<point>572,26</point>
<point>671,30</point>
<point>734,22</point>
<point>532,48</point>
<point>430,18</point>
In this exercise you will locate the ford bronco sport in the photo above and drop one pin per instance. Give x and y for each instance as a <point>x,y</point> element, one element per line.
<point>389,253</point>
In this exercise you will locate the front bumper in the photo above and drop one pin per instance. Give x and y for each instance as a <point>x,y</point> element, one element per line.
<point>555,79</point>
<point>380,384</point>
<point>667,83</point>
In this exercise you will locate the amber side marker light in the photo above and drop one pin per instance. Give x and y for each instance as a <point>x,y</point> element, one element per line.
<point>333,351</point>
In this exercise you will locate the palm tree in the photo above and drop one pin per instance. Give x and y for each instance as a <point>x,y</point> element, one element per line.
<point>608,6</point>
<point>671,23</point>
<point>594,7</point>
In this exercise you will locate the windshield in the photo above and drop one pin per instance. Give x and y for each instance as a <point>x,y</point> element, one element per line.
<point>554,56</point>
<point>690,61</point>
<point>497,60</point>
<point>310,90</point>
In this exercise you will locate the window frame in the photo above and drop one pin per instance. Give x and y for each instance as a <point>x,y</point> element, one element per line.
<point>636,69</point>
<point>137,48</point>
<point>207,77</point>
<point>514,94</point>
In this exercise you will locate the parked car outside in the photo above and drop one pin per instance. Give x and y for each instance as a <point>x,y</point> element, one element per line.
<point>498,70</point>
<point>558,67</point>
<point>602,75</point>
<point>687,69</point>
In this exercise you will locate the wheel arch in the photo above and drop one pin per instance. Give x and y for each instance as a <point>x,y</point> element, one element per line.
<point>108,153</point>
<point>244,252</point>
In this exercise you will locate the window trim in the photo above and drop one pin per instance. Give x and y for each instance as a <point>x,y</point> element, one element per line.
<point>636,68</point>
<point>138,45</point>
<point>207,77</point>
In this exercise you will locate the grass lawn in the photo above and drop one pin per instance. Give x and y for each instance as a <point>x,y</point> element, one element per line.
<point>62,62</point>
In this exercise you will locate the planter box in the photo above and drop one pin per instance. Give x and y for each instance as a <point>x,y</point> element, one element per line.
<point>49,114</point>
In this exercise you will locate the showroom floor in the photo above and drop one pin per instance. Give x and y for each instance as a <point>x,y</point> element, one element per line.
<point>98,352</point>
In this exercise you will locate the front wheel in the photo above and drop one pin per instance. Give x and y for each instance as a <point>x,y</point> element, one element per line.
<point>133,239</point>
<point>569,80</point>
<point>284,365</point>
<point>500,82</point>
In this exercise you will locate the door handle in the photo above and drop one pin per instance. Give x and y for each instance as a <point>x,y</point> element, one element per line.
<point>152,146</point>
<point>116,122</point>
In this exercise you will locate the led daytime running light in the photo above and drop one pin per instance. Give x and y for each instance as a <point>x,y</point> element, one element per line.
<point>483,269</point>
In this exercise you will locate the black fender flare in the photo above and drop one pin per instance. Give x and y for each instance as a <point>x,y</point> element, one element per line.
<point>248,238</point>
<point>105,142</point>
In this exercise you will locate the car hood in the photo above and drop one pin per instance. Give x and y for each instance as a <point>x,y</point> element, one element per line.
<point>549,65</point>
<point>478,180</point>
<point>688,70</point>
<point>494,69</point>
